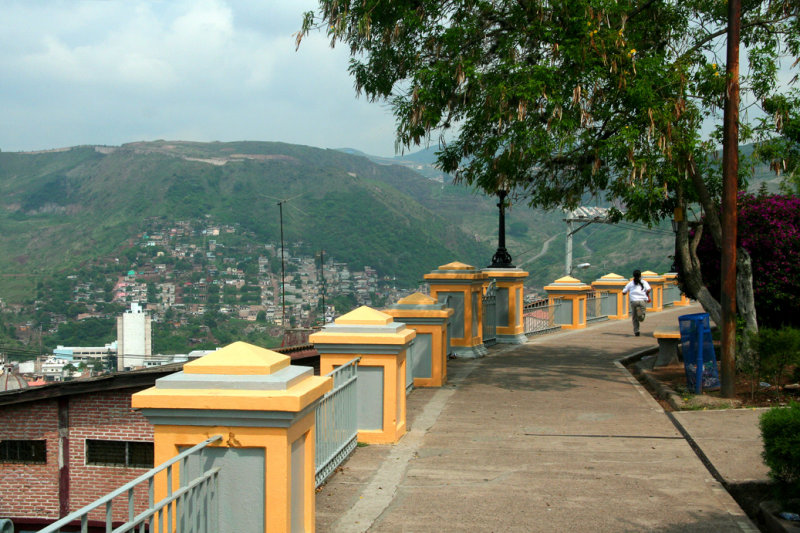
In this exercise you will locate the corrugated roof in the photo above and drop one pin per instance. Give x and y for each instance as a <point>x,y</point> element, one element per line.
<point>588,212</point>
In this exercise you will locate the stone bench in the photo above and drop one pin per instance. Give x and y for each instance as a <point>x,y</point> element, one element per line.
<point>668,340</point>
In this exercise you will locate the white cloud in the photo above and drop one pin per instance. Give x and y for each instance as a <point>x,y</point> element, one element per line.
<point>114,72</point>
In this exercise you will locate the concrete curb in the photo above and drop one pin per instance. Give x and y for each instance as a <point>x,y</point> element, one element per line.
<point>774,523</point>
<point>638,367</point>
<point>662,391</point>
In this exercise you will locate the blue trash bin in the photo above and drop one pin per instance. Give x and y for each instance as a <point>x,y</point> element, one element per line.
<point>699,359</point>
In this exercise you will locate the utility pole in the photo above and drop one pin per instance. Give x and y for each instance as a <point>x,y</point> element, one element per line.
<point>730,171</point>
<point>283,272</point>
<point>322,275</point>
<point>283,266</point>
<point>587,215</point>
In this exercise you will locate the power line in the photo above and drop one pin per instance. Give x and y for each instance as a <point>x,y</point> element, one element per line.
<point>644,229</point>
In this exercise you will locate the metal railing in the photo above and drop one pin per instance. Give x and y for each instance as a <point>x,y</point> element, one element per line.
<point>337,421</point>
<point>191,508</point>
<point>490,315</point>
<point>595,305</point>
<point>540,317</point>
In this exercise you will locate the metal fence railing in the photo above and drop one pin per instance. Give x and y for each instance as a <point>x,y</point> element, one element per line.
<point>596,305</point>
<point>191,508</point>
<point>490,315</point>
<point>540,316</point>
<point>337,421</point>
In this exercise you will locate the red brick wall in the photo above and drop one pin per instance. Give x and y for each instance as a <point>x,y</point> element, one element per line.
<point>104,416</point>
<point>30,490</point>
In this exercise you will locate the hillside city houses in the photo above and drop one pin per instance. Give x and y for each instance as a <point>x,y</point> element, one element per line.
<point>172,273</point>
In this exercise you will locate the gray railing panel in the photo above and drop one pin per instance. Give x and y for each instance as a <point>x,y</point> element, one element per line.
<point>455,301</point>
<point>609,305</point>
<point>242,487</point>
<point>337,421</point>
<point>672,294</point>
<point>563,313</point>
<point>502,307</point>
<point>423,356</point>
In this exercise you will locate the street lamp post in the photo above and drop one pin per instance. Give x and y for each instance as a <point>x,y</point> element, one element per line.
<point>501,258</point>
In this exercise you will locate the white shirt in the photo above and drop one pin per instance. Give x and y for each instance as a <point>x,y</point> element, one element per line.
<point>635,292</point>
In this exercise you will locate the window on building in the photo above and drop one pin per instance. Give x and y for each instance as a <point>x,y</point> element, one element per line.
<point>23,451</point>
<point>119,453</point>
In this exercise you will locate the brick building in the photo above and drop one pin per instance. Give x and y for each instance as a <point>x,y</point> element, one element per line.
<point>64,445</point>
<point>90,424</point>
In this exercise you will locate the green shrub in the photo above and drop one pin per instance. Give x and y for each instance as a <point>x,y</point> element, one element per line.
<point>767,355</point>
<point>777,349</point>
<point>780,431</point>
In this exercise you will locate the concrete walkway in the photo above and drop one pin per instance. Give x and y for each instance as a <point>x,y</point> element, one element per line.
<point>553,435</point>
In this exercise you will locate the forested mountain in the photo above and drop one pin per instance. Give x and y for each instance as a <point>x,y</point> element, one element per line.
<point>61,208</point>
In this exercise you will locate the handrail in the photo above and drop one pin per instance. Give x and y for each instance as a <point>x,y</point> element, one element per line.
<point>341,369</point>
<point>337,425</point>
<point>168,500</point>
<point>129,486</point>
<point>535,323</point>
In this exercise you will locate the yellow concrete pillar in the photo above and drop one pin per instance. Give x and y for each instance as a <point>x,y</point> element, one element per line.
<point>671,286</point>
<point>509,285</point>
<point>657,296</point>
<point>430,319</point>
<point>573,295</point>
<point>462,286</point>
<point>617,302</point>
<point>381,343</point>
<point>264,408</point>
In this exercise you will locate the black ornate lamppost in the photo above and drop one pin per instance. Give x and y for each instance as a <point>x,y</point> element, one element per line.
<point>501,258</point>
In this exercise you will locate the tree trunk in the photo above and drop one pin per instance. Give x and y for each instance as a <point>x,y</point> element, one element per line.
<point>745,301</point>
<point>695,288</point>
<point>690,276</point>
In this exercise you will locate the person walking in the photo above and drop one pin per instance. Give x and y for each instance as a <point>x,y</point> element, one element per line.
<point>638,291</point>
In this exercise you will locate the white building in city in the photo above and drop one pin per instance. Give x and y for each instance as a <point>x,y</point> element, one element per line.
<point>86,354</point>
<point>53,368</point>
<point>134,337</point>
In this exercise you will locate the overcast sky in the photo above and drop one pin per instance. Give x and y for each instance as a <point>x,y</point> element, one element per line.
<point>117,71</point>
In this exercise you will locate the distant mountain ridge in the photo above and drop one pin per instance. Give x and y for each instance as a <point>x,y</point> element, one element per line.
<point>61,208</point>
<point>421,162</point>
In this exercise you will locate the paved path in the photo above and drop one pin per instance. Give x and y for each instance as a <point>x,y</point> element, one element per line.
<point>553,435</point>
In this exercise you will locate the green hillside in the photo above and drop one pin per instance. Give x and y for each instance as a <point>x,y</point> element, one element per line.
<point>618,248</point>
<point>536,239</point>
<point>59,209</point>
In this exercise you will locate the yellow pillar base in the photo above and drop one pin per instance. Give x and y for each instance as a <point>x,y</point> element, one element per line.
<point>272,453</point>
<point>381,343</point>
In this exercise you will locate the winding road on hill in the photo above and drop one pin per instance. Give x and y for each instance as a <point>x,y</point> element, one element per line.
<point>543,251</point>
